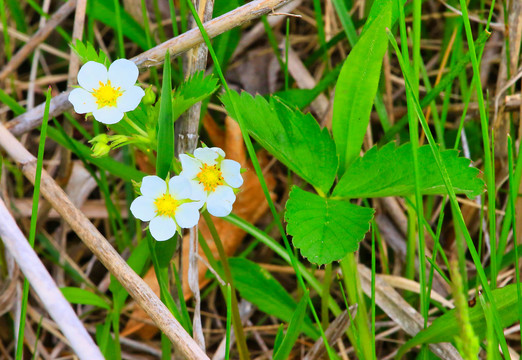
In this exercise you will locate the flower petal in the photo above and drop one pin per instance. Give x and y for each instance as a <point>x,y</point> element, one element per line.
<point>218,150</point>
<point>91,74</point>
<point>198,193</point>
<point>108,115</point>
<point>231,171</point>
<point>206,155</point>
<point>191,167</point>
<point>83,101</point>
<point>123,73</point>
<point>219,203</point>
<point>179,187</point>
<point>130,99</point>
<point>153,186</point>
<point>162,228</point>
<point>143,208</point>
<point>187,215</point>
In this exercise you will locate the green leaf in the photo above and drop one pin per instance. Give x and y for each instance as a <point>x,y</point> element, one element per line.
<point>259,287</point>
<point>86,52</point>
<point>325,230</point>
<point>81,296</point>
<point>192,91</point>
<point>293,331</point>
<point>445,327</point>
<point>389,172</point>
<point>356,89</point>
<point>165,150</point>
<point>291,136</point>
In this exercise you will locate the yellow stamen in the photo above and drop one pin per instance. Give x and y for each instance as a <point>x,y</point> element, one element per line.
<point>210,177</point>
<point>166,205</point>
<point>106,94</point>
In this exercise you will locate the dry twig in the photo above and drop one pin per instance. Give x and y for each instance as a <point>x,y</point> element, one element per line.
<point>103,250</point>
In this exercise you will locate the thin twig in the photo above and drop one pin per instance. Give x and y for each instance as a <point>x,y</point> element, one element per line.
<point>43,284</point>
<point>37,38</point>
<point>155,56</point>
<point>103,250</point>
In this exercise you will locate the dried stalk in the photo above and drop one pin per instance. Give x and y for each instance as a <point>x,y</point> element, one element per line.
<point>44,286</point>
<point>155,56</point>
<point>392,303</point>
<point>37,38</point>
<point>187,137</point>
<point>103,250</point>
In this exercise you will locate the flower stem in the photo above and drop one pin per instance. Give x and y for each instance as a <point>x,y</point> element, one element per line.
<point>135,127</point>
<point>236,319</point>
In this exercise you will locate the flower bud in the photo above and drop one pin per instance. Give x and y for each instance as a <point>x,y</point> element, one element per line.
<point>101,138</point>
<point>100,149</point>
<point>118,140</point>
<point>150,96</point>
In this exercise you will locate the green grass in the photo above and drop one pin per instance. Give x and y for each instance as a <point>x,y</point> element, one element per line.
<point>435,221</point>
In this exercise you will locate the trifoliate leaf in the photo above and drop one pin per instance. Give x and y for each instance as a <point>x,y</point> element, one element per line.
<point>292,137</point>
<point>86,52</point>
<point>325,230</point>
<point>192,91</point>
<point>389,172</point>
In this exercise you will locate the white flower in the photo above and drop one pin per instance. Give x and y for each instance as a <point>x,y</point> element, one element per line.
<point>166,205</point>
<point>213,179</point>
<point>107,94</point>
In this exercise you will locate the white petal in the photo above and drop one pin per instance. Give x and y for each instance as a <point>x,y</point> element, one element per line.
<point>231,171</point>
<point>206,155</point>
<point>187,215</point>
<point>143,208</point>
<point>198,193</point>
<point>130,99</point>
<point>123,73</point>
<point>153,186</point>
<point>83,101</point>
<point>108,115</point>
<point>162,228</point>
<point>179,188</point>
<point>91,74</point>
<point>190,166</point>
<point>218,150</point>
<point>219,203</point>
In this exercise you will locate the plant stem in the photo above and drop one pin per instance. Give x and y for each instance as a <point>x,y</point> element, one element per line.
<point>236,319</point>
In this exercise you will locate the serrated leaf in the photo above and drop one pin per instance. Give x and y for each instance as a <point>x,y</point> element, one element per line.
<point>259,287</point>
<point>86,52</point>
<point>356,89</point>
<point>81,296</point>
<point>292,137</point>
<point>445,327</point>
<point>193,90</point>
<point>389,172</point>
<point>324,229</point>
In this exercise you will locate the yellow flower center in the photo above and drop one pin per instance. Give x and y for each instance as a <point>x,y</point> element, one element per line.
<point>210,177</point>
<point>106,94</point>
<point>166,205</point>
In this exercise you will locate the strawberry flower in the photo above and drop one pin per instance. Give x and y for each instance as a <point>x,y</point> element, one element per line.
<point>107,94</point>
<point>167,205</point>
<point>213,179</point>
